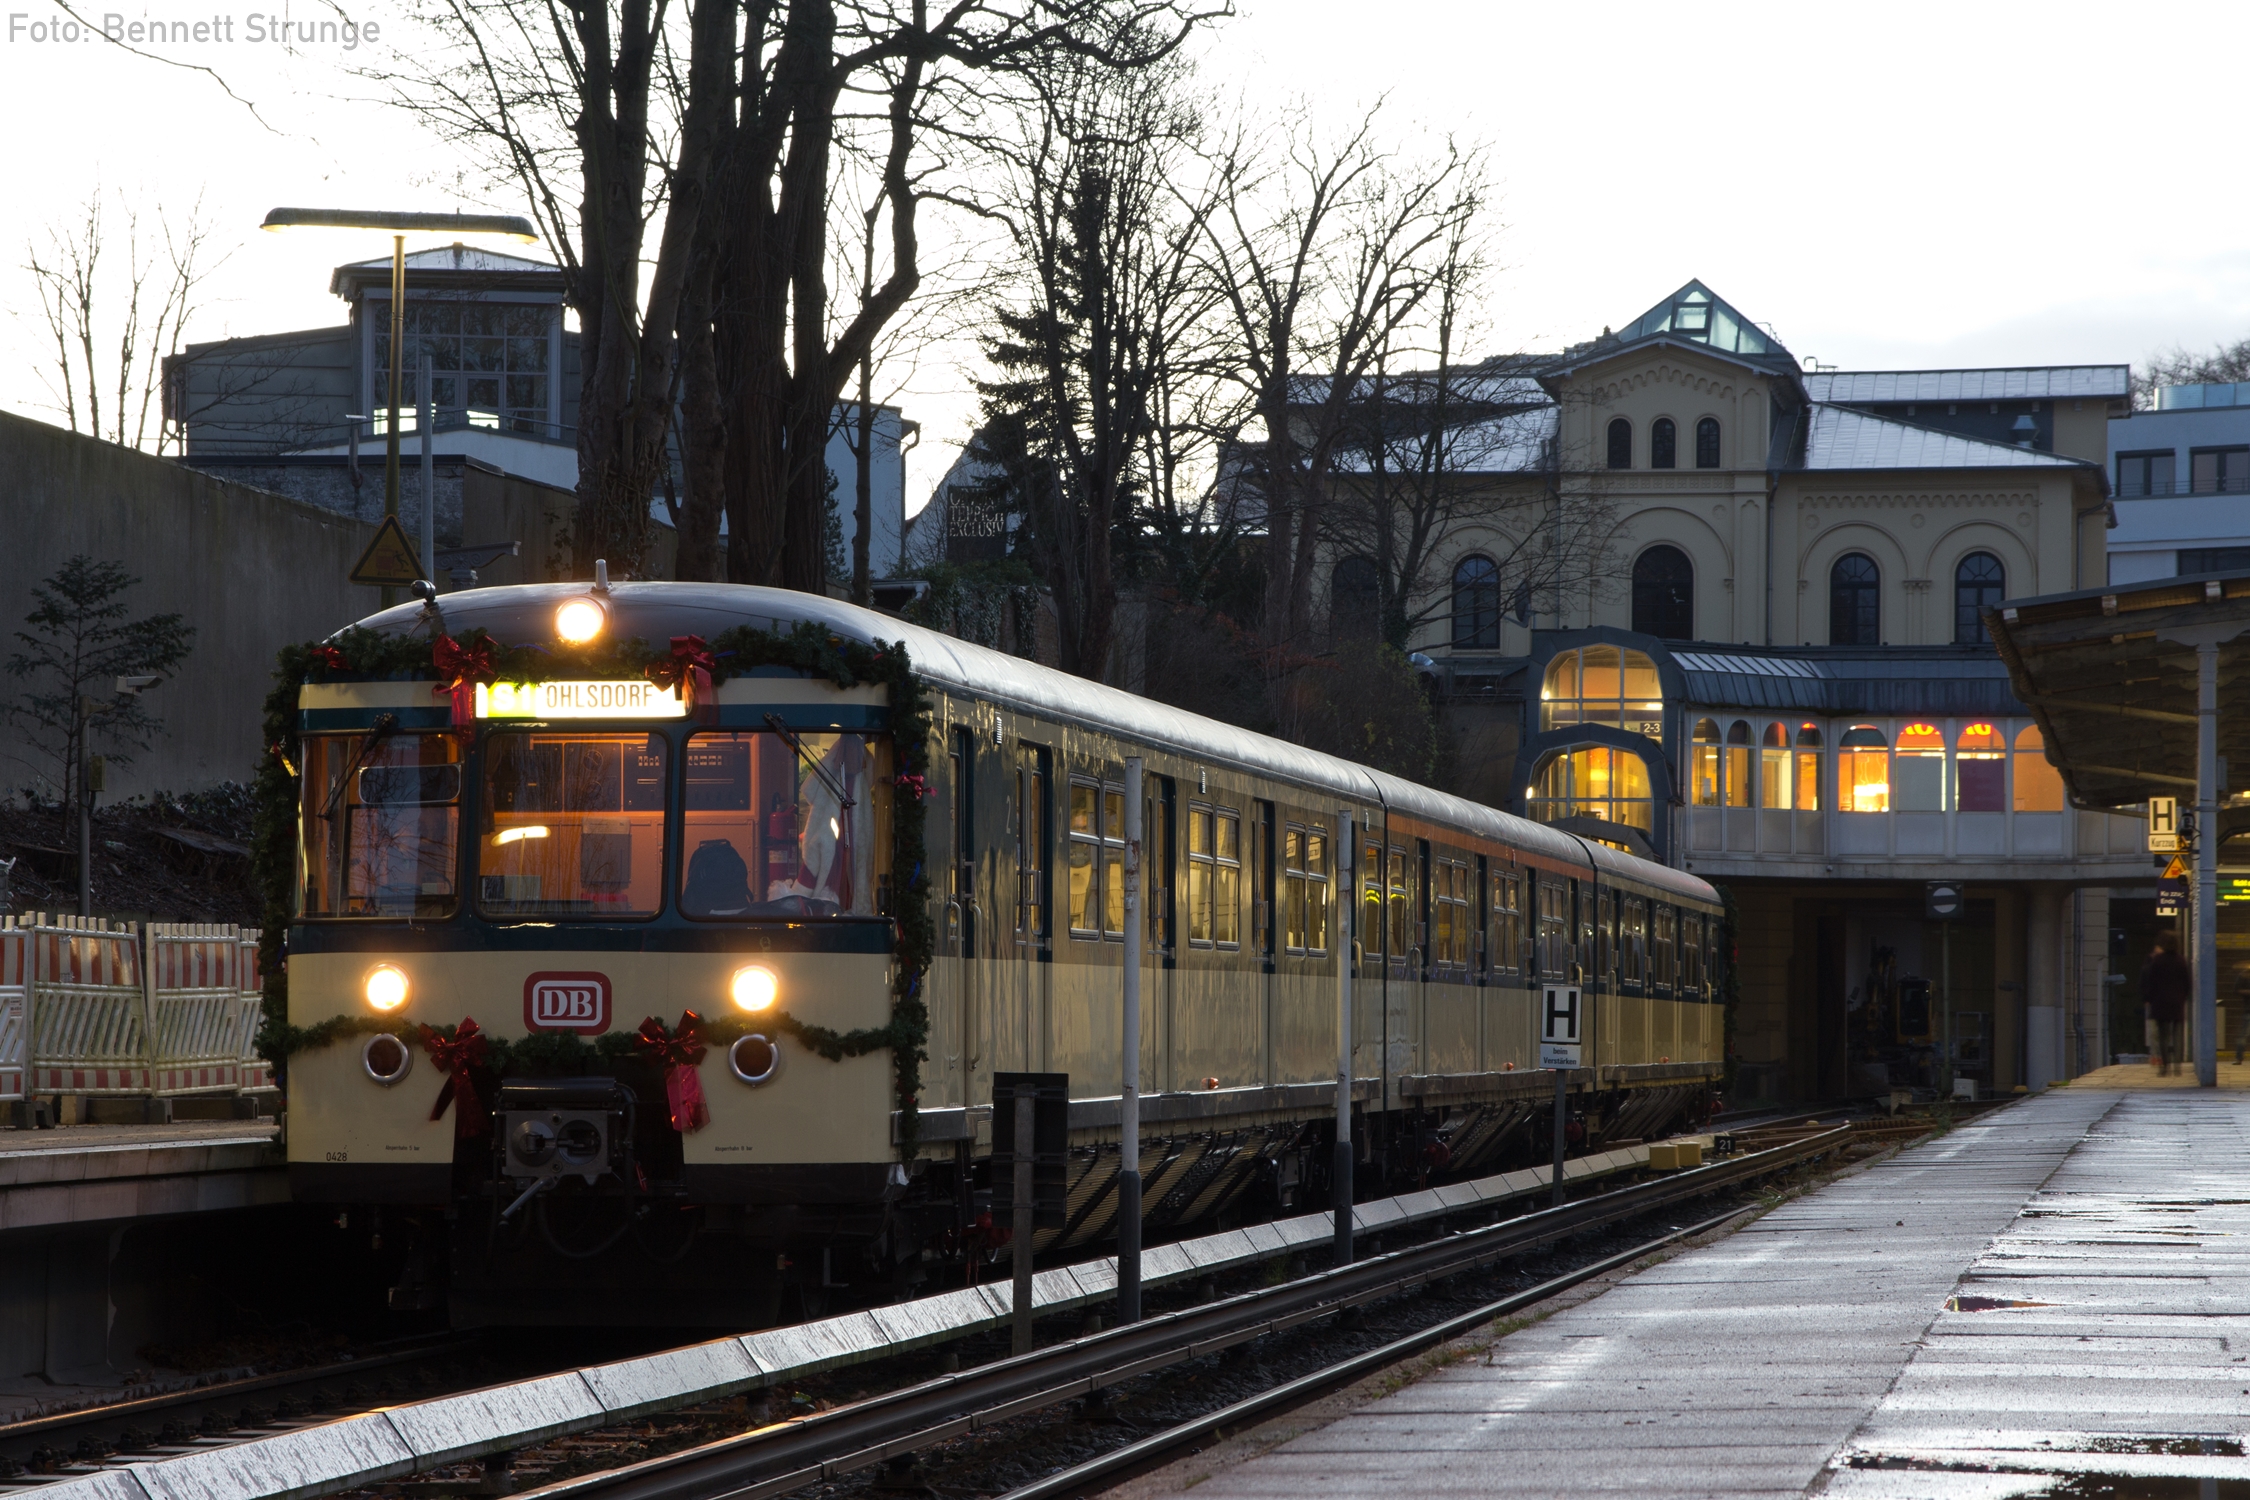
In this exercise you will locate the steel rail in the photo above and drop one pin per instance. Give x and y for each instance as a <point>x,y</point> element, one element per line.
<point>1146,1453</point>
<point>774,1460</point>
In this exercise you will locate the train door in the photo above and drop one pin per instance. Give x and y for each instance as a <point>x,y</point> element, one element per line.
<point>1369,1053</point>
<point>1264,830</point>
<point>960,1026</point>
<point>1481,962</point>
<point>1402,973</point>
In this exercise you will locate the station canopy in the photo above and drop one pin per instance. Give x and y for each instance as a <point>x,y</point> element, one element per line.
<point>2110,676</point>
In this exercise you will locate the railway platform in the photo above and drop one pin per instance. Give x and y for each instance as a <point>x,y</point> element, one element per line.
<point>2053,1293</point>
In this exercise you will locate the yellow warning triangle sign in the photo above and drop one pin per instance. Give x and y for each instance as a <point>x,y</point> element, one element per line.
<point>2177,869</point>
<point>390,560</point>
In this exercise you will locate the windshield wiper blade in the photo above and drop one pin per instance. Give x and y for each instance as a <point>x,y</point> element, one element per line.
<point>383,728</point>
<point>844,801</point>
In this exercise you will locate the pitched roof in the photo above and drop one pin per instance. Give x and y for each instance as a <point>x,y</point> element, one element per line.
<point>1927,680</point>
<point>467,264</point>
<point>1842,438</point>
<point>2029,382</point>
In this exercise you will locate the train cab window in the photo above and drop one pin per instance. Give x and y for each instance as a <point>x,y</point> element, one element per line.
<point>1556,953</point>
<point>1033,819</point>
<point>382,825</point>
<point>782,825</point>
<point>1304,860</point>
<point>1663,927</point>
<point>573,825</point>
<point>1691,955</point>
<point>1214,876</point>
<point>1097,860</point>
<point>1632,943</point>
<point>1504,950</point>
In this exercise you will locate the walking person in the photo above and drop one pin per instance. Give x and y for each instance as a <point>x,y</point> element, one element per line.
<point>2164,990</point>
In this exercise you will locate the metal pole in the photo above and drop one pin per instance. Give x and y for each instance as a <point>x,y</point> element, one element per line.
<point>1021,1305</point>
<point>1945,1002</point>
<point>1562,1123</point>
<point>1347,906</point>
<point>2207,865</point>
<point>427,421</point>
<point>398,339</point>
<point>1129,1067</point>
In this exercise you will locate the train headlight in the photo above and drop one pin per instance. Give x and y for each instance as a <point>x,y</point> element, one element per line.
<point>755,987</point>
<point>579,621</point>
<point>386,987</point>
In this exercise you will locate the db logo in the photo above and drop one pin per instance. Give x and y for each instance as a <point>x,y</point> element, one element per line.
<point>566,1002</point>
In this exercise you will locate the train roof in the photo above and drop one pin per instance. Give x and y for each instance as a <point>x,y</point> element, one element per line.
<point>657,611</point>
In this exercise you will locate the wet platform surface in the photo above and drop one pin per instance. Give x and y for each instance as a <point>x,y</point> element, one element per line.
<point>80,1174</point>
<point>2058,1289</point>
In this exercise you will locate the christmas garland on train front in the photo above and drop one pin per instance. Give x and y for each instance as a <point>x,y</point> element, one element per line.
<point>456,665</point>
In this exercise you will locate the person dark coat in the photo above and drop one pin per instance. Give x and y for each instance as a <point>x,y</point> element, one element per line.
<point>2164,986</point>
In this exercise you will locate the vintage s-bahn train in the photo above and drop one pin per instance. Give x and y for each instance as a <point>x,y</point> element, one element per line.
<point>568,857</point>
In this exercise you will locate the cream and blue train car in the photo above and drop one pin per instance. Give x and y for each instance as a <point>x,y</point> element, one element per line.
<point>587,855</point>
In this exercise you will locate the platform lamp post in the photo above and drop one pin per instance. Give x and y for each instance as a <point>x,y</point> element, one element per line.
<point>399,226</point>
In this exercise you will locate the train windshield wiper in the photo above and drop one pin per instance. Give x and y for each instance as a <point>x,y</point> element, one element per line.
<point>843,798</point>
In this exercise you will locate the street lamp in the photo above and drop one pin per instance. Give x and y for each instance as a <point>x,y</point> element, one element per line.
<point>399,226</point>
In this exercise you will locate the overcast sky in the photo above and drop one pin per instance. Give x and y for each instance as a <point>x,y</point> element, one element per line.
<point>1900,186</point>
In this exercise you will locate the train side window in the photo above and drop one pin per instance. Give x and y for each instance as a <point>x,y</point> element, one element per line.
<point>1371,901</point>
<point>1554,929</point>
<point>1113,863</point>
<point>1451,922</point>
<point>1504,953</point>
<point>1262,878</point>
<point>1633,943</point>
<point>1664,922</point>
<point>1085,858</point>
<point>1605,940</point>
<point>1034,815</point>
<point>1691,954</point>
<point>1316,890</point>
<point>1402,907</point>
<point>1226,880</point>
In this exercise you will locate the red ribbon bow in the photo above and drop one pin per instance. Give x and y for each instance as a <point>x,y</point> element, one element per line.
<point>459,1057</point>
<point>688,669</point>
<point>331,657</point>
<point>462,668</point>
<point>678,1052</point>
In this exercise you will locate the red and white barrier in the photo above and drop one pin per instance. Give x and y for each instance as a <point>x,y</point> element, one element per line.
<point>195,986</point>
<point>87,1013</point>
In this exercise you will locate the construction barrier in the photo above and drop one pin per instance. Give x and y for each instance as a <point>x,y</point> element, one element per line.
<point>257,1073</point>
<point>15,1007</point>
<point>195,986</point>
<point>88,1012</point>
<point>93,1007</point>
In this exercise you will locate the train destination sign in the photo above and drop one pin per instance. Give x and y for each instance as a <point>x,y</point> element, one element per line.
<point>622,699</point>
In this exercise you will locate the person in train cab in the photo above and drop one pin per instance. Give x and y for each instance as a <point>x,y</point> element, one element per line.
<point>2164,991</point>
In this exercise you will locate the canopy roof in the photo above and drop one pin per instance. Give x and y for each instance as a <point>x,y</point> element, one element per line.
<point>2110,676</point>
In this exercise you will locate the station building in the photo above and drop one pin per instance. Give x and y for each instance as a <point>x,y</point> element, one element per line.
<point>1776,676</point>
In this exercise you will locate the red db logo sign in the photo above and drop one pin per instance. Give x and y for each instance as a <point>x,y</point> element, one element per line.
<point>566,1002</point>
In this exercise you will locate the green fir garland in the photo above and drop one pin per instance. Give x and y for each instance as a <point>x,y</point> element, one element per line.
<point>359,655</point>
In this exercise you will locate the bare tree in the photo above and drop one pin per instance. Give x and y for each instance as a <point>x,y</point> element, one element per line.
<point>1322,258</point>
<point>114,322</point>
<point>1111,286</point>
<point>2223,364</point>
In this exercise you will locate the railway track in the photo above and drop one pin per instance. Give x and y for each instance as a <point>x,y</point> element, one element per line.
<point>889,1428</point>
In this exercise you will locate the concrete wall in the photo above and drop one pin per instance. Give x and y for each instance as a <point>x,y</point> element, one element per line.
<point>250,570</point>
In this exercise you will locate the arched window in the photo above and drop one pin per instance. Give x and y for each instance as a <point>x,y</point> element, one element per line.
<point>1594,781</point>
<point>1620,444</point>
<point>1707,443</point>
<point>1808,768</point>
<point>1664,594</point>
<point>1980,770</point>
<point>1738,765</point>
<point>1918,770</point>
<point>1774,767</point>
<point>1703,764</point>
<point>1354,598</point>
<point>1978,584</point>
<point>2039,786</point>
<point>1476,605</point>
<point>1863,770</point>
<point>1854,602</point>
<point>1663,444</point>
<point>1606,685</point>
